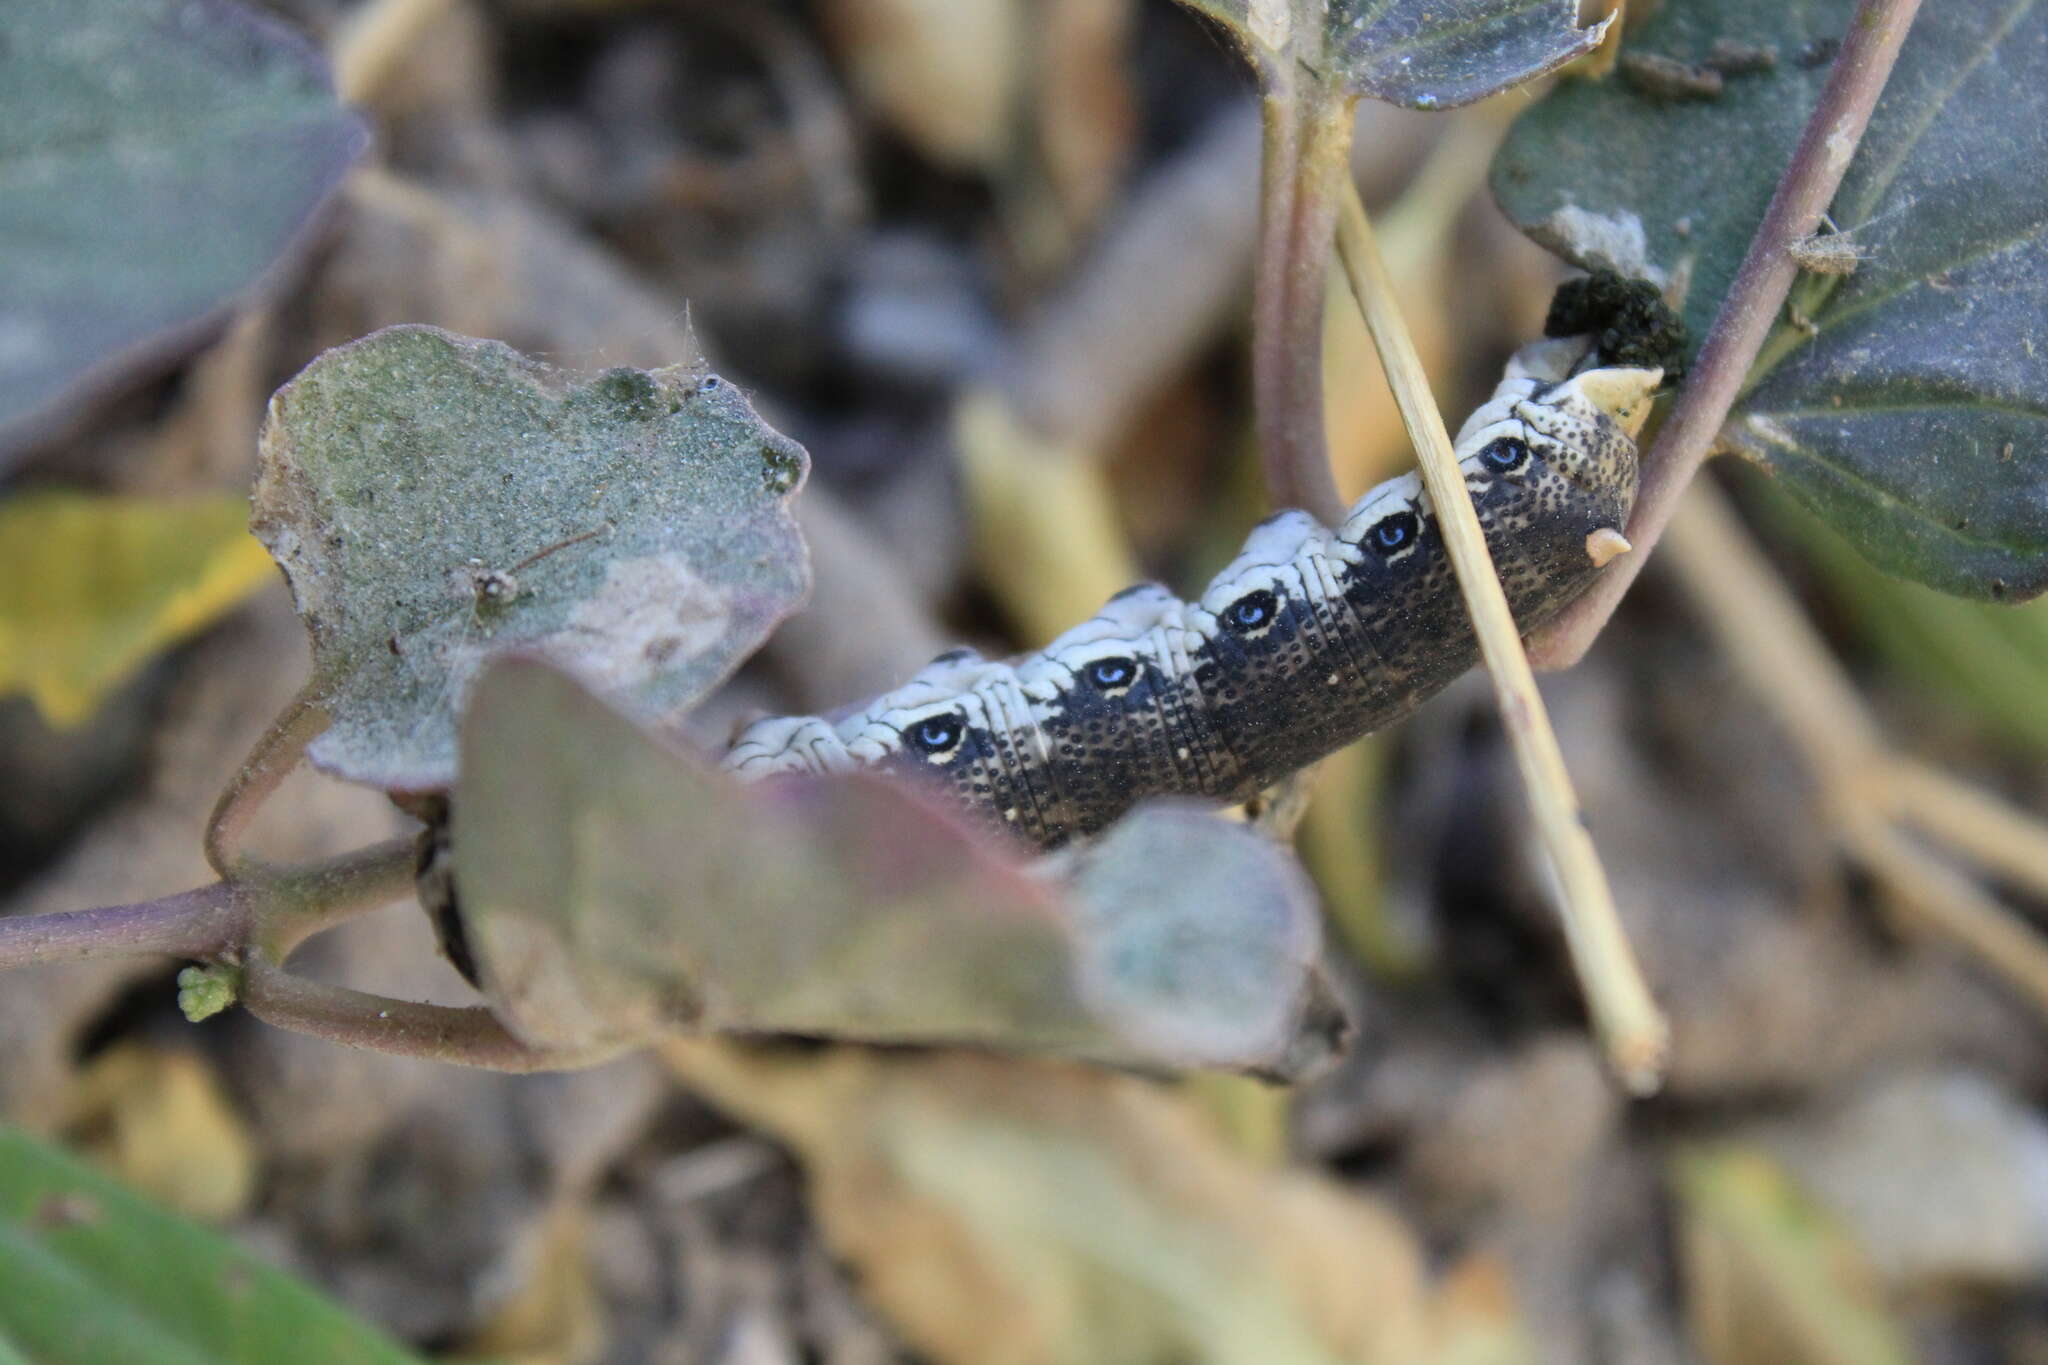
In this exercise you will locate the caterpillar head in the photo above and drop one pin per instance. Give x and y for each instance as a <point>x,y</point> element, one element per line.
<point>1580,421</point>
<point>1584,427</point>
<point>1619,393</point>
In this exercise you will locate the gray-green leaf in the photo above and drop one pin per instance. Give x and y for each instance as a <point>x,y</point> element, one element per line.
<point>92,1274</point>
<point>156,156</point>
<point>436,500</point>
<point>1907,402</point>
<point>611,889</point>
<point>1428,54</point>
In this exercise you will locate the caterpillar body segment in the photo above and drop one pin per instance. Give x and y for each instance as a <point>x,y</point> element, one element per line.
<point>1309,638</point>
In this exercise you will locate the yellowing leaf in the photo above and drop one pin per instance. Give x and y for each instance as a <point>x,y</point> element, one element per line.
<point>1771,1278</point>
<point>1014,1212</point>
<point>943,73</point>
<point>555,1317</point>
<point>92,586</point>
<point>1046,535</point>
<point>158,1120</point>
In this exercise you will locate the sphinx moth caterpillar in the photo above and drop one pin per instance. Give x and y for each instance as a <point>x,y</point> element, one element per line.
<point>1309,638</point>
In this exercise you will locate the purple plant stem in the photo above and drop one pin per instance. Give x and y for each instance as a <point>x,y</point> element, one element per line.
<point>206,922</point>
<point>1826,147</point>
<point>468,1035</point>
<point>310,899</point>
<point>275,755</point>
<point>1307,146</point>
<point>216,923</point>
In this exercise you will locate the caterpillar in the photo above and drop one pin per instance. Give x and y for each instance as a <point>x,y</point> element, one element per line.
<point>1308,639</point>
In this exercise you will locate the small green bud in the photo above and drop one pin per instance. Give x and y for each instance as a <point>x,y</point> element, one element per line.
<point>205,991</point>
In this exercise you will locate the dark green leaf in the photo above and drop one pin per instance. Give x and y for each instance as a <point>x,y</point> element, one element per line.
<point>1988,662</point>
<point>1429,54</point>
<point>156,157</point>
<point>436,500</point>
<point>1434,55</point>
<point>92,1274</point>
<point>611,888</point>
<point>1907,402</point>
<point>1610,174</point>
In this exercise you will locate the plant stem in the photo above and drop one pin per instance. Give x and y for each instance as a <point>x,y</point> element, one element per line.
<point>1307,162</point>
<point>218,922</point>
<point>1992,834</point>
<point>1627,1019</point>
<point>208,922</point>
<point>303,901</point>
<point>1943,899</point>
<point>468,1035</point>
<point>376,42</point>
<point>1719,375</point>
<point>268,764</point>
<point>1868,793</point>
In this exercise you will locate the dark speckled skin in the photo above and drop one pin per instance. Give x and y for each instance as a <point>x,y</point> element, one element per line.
<point>1309,639</point>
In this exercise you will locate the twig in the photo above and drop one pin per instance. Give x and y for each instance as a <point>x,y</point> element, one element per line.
<point>306,900</point>
<point>1951,904</point>
<point>1973,822</point>
<point>1120,327</point>
<point>820,127</point>
<point>268,764</point>
<point>376,42</point>
<point>469,1035</point>
<point>1866,789</point>
<point>1718,376</point>
<point>1628,1022</point>
<point>217,923</point>
<point>1046,533</point>
<point>1305,167</point>
<point>207,923</point>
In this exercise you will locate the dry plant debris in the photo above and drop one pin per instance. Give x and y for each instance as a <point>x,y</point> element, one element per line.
<point>1013,346</point>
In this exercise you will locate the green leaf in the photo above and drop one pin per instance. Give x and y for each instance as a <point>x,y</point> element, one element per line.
<point>92,587</point>
<point>91,1274</point>
<point>1429,54</point>
<point>156,156</point>
<point>1988,662</point>
<point>436,500</point>
<point>611,889</point>
<point>1906,403</point>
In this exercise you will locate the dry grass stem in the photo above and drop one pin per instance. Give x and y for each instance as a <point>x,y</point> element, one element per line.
<point>1630,1026</point>
<point>376,42</point>
<point>1973,822</point>
<point>1944,900</point>
<point>1869,791</point>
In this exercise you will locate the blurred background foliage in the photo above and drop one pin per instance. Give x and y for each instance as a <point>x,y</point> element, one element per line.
<point>988,261</point>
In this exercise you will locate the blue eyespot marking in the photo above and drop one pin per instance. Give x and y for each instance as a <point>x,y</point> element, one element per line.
<point>1505,455</point>
<point>1391,535</point>
<point>1253,611</point>
<point>1112,674</point>
<point>937,736</point>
